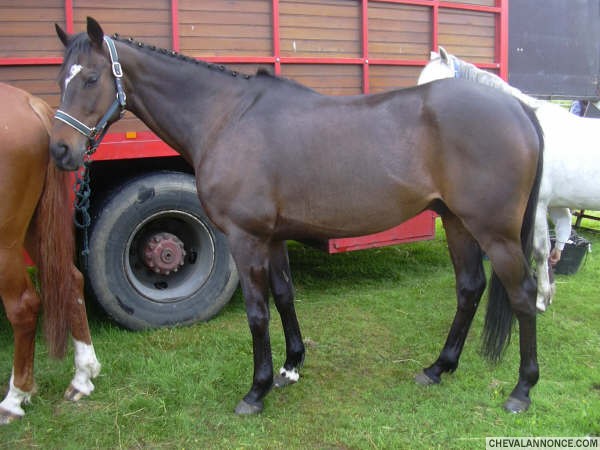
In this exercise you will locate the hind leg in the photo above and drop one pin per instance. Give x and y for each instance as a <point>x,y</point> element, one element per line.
<point>87,366</point>
<point>466,258</point>
<point>283,292</point>
<point>541,252</point>
<point>513,271</point>
<point>21,304</point>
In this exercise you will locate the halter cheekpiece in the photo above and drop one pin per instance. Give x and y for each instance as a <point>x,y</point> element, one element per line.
<point>95,134</point>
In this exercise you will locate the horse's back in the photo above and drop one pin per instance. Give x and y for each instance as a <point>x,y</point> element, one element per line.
<point>572,159</point>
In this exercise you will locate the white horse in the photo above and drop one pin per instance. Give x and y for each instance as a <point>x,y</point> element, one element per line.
<point>571,177</point>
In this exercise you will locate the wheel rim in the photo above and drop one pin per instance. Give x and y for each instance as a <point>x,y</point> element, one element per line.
<point>198,255</point>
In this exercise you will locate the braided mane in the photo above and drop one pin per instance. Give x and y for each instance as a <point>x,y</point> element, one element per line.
<point>471,72</point>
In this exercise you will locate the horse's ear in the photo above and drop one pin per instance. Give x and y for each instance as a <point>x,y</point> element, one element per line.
<point>444,55</point>
<point>95,32</point>
<point>64,37</point>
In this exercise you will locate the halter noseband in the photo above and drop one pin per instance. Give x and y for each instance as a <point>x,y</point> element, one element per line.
<point>95,134</point>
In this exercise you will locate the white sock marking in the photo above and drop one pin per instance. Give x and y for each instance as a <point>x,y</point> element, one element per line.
<point>291,375</point>
<point>14,398</point>
<point>86,367</point>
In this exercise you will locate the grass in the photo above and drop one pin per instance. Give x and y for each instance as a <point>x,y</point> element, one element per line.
<point>371,320</point>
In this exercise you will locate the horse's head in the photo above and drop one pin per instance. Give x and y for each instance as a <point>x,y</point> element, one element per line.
<point>440,66</point>
<point>88,90</point>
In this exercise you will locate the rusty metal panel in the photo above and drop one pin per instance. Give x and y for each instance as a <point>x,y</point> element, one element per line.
<point>217,27</point>
<point>316,28</point>
<point>399,31</point>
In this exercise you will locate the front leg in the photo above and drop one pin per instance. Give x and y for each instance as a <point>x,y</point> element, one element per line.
<point>251,257</point>
<point>21,304</point>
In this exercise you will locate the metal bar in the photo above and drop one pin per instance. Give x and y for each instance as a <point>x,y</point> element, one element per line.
<point>276,38</point>
<point>435,27</point>
<point>69,16</point>
<point>469,7</point>
<point>366,81</point>
<point>239,59</point>
<point>175,25</point>
<point>51,60</point>
<point>443,4</point>
<point>502,39</point>
<point>317,60</point>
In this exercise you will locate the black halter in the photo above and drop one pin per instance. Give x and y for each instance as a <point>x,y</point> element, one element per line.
<point>95,134</point>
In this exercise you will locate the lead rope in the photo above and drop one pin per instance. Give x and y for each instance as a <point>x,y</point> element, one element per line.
<point>81,215</point>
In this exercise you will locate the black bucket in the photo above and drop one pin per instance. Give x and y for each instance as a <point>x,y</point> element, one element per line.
<point>572,255</point>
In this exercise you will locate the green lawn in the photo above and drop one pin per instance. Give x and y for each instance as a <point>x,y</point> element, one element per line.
<point>371,320</point>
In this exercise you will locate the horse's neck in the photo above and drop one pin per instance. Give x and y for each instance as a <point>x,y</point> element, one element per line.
<point>471,72</point>
<point>174,98</point>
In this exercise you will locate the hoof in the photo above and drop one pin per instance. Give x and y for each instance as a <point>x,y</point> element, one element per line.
<point>7,417</point>
<point>246,409</point>
<point>286,377</point>
<point>515,405</point>
<point>424,380</point>
<point>73,394</point>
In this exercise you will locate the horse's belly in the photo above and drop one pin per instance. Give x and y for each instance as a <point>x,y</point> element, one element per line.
<point>345,216</point>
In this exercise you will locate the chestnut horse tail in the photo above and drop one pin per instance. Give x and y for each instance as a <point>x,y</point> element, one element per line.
<point>499,316</point>
<point>53,247</point>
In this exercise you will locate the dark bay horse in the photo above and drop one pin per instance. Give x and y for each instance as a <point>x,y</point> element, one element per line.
<point>35,214</point>
<point>275,160</point>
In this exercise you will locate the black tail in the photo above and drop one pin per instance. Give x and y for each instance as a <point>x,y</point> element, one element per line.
<point>499,316</point>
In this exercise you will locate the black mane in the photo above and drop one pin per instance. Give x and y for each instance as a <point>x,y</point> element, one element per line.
<point>261,71</point>
<point>178,56</point>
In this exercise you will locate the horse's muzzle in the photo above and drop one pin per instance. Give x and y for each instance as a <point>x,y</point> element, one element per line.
<point>63,156</point>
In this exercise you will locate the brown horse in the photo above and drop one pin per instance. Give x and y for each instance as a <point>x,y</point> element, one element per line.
<point>275,160</point>
<point>35,215</point>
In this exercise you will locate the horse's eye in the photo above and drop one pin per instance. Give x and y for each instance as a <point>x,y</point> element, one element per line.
<point>91,80</point>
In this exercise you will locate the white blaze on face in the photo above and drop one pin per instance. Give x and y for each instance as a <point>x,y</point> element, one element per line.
<point>73,71</point>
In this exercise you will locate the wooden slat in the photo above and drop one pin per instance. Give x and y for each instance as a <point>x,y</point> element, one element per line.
<point>477,2</point>
<point>210,6</point>
<point>27,29</point>
<point>38,80</point>
<point>399,31</point>
<point>310,28</point>
<point>385,78</point>
<point>327,8</point>
<point>327,79</point>
<point>470,35</point>
<point>122,4</point>
<point>216,28</point>
<point>147,21</point>
<point>200,46</point>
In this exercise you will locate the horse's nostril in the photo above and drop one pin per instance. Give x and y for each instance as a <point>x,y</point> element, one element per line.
<point>59,150</point>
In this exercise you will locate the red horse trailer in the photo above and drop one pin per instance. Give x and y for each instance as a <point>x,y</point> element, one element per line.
<point>173,258</point>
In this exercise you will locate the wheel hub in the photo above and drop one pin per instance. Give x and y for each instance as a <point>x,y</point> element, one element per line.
<point>164,253</point>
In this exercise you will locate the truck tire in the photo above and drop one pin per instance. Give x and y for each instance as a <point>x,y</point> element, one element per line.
<point>155,259</point>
